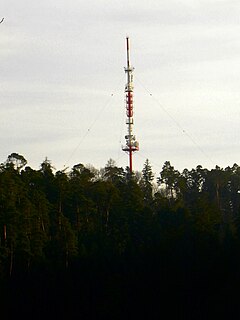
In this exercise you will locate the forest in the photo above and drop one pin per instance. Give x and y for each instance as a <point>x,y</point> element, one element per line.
<point>94,244</point>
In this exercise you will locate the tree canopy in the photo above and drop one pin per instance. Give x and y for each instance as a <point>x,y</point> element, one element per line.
<point>107,232</point>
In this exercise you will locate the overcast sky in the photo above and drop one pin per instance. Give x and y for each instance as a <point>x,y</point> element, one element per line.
<point>62,81</point>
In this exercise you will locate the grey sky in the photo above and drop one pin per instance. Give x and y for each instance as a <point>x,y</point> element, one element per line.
<point>62,81</point>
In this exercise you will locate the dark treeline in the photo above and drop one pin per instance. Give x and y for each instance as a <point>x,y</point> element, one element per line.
<point>97,244</point>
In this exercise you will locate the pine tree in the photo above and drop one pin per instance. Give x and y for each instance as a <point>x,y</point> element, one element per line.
<point>146,182</point>
<point>169,177</point>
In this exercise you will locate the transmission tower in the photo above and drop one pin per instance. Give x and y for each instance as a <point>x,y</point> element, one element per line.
<point>131,144</point>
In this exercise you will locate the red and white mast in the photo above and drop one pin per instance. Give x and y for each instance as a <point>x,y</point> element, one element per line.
<point>131,143</point>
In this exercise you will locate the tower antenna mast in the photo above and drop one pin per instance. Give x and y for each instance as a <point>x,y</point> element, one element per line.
<point>131,143</point>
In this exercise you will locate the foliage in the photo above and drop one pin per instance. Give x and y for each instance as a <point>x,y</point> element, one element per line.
<point>112,226</point>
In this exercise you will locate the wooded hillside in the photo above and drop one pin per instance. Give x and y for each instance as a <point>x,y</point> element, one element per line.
<point>109,244</point>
